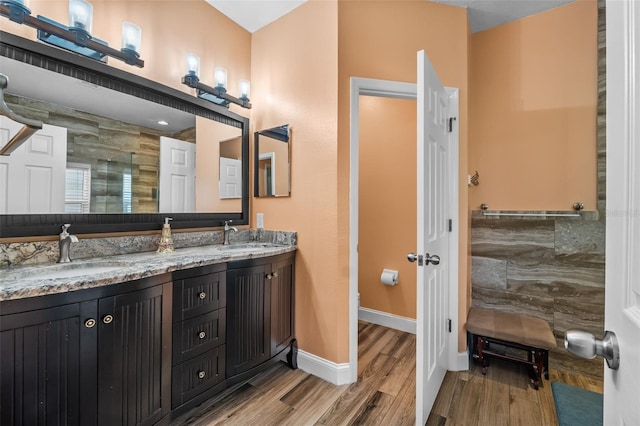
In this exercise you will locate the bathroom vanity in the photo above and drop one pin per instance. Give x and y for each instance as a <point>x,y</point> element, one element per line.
<point>140,339</point>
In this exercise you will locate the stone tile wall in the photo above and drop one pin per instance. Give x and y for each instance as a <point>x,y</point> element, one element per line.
<point>550,268</point>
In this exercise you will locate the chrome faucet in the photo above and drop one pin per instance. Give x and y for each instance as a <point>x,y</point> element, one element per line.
<point>65,243</point>
<point>228,230</point>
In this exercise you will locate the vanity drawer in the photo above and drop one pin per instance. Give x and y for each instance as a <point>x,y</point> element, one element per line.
<point>194,377</point>
<point>198,335</point>
<point>197,295</point>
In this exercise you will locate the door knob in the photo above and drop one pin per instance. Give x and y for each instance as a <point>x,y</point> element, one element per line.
<point>434,260</point>
<point>585,345</point>
<point>412,257</point>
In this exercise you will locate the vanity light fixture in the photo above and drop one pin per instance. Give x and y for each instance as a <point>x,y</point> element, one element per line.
<point>77,36</point>
<point>217,94</point>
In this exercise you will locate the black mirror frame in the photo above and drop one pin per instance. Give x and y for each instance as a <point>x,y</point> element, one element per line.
<point>56,60</point>
<point>256,155</point>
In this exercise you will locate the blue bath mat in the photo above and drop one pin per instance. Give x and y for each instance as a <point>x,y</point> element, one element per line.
<point>576,406</point>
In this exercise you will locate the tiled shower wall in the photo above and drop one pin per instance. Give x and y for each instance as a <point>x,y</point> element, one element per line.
<point>550,268</point>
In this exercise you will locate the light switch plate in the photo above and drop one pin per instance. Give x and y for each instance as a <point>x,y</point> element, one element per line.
<point>260,220</point>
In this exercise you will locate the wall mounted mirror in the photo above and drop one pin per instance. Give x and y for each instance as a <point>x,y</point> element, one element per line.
<point>125,151</point>
<point>272,162</point>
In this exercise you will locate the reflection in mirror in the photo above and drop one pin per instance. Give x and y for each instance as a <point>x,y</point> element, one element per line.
<point>272,172</point>
<point>109,152</point>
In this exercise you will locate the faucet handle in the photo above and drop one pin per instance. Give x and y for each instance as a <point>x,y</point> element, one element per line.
<point>65,227</point>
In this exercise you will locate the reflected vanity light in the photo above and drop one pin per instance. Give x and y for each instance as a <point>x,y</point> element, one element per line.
<point>217,94</point>
<point>77,36</point>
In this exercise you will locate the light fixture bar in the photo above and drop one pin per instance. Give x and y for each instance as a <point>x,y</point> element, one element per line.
<point>63,33</point>
<point>213,94</point>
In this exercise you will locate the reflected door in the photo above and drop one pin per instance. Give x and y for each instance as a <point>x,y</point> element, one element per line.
<point>36,170</point>
<point>230,178</point>
<point>177,176</point>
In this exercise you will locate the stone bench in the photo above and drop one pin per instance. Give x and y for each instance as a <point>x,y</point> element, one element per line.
<point>529,334</point>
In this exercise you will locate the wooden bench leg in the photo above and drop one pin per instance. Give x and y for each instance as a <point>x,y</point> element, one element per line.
<point>546,364</point>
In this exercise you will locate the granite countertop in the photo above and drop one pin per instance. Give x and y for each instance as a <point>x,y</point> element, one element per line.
<point>38,280</point>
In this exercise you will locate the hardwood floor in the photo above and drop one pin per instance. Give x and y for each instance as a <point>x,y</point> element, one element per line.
<point>385,393</point>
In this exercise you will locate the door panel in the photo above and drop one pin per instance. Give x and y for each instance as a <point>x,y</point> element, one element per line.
<point>433,237</point>
<point>39,164</point>
<point>177,176</point>
<point>622,286</point>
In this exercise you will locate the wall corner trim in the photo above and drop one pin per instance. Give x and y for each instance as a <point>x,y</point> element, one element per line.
<point>338,374</point>
<point>384,319</point>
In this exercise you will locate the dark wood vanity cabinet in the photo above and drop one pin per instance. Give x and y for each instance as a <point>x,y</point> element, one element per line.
<point>145,351</point>
<point>98,356</point>
<point>260,311</point>
<point>199,327</point>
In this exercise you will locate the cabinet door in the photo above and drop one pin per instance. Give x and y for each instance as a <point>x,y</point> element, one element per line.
<point>134,352</point>
<point>248,321</point>
<point>47,366</point>
<point>282,305</point>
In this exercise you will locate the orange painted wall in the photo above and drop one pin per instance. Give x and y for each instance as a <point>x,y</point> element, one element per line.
<point>294,63</point>
<point>166,41</point>
<point>533,111</point>
<point>380,39</point>
<point>388,219</point>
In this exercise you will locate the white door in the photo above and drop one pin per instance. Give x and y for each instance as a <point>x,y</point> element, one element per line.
<point>177,184</point>
<point>433,238</point>
<point>622,290</point>
<point>230,178</point>
<point>36,171</point>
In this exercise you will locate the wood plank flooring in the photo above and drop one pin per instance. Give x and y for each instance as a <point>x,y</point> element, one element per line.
<point>385,393</point>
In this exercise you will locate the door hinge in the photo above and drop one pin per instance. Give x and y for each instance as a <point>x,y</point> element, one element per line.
<point>449,325</point>
<point>450,225</point>
<point>451,123</point>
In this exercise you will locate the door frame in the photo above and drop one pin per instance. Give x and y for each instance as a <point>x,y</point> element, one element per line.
<point>398,90</point>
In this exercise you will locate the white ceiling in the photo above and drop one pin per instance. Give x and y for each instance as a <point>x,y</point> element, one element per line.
<point>483,14</point>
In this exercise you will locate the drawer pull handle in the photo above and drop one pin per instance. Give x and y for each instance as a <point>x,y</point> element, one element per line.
<point>202,335</point>
<point>202,295</point>
<point>90,323</point>
<point>107,319</point>
<point>201,374</point>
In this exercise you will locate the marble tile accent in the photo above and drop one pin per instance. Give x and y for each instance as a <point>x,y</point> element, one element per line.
<point>554,271</point>
<point>516,303</point>
<point>506,238</point>
<point>489,273</point>
<point>573,237</point>
<point>576,313</point>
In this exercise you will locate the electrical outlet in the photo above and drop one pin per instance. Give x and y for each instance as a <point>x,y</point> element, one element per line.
<point>260,220</point>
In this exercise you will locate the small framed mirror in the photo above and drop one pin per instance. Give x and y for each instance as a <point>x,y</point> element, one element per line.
<point>272,162</point>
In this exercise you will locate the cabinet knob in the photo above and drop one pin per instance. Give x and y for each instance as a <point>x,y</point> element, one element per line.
<point>107,319</point>
<point>201,374</point>
<point>90,323</point>
<point>202,295</point>
<point>202,335</point>
<point>269,276</point>
<point>275,274</point>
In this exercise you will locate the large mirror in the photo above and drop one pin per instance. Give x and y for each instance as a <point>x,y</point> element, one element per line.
<point>272,162</point>
<point>124,151</point>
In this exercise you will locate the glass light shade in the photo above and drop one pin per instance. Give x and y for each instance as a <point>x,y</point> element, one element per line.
<point>80,15</point>
<point>220,77</point>
<point>193,64</point>
<point>131,37</point>
<point>245,89</point>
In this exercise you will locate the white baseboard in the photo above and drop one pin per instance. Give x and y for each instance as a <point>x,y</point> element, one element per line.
<point>461,362</point>
<point>384,319</point>
<point>338,374</point>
